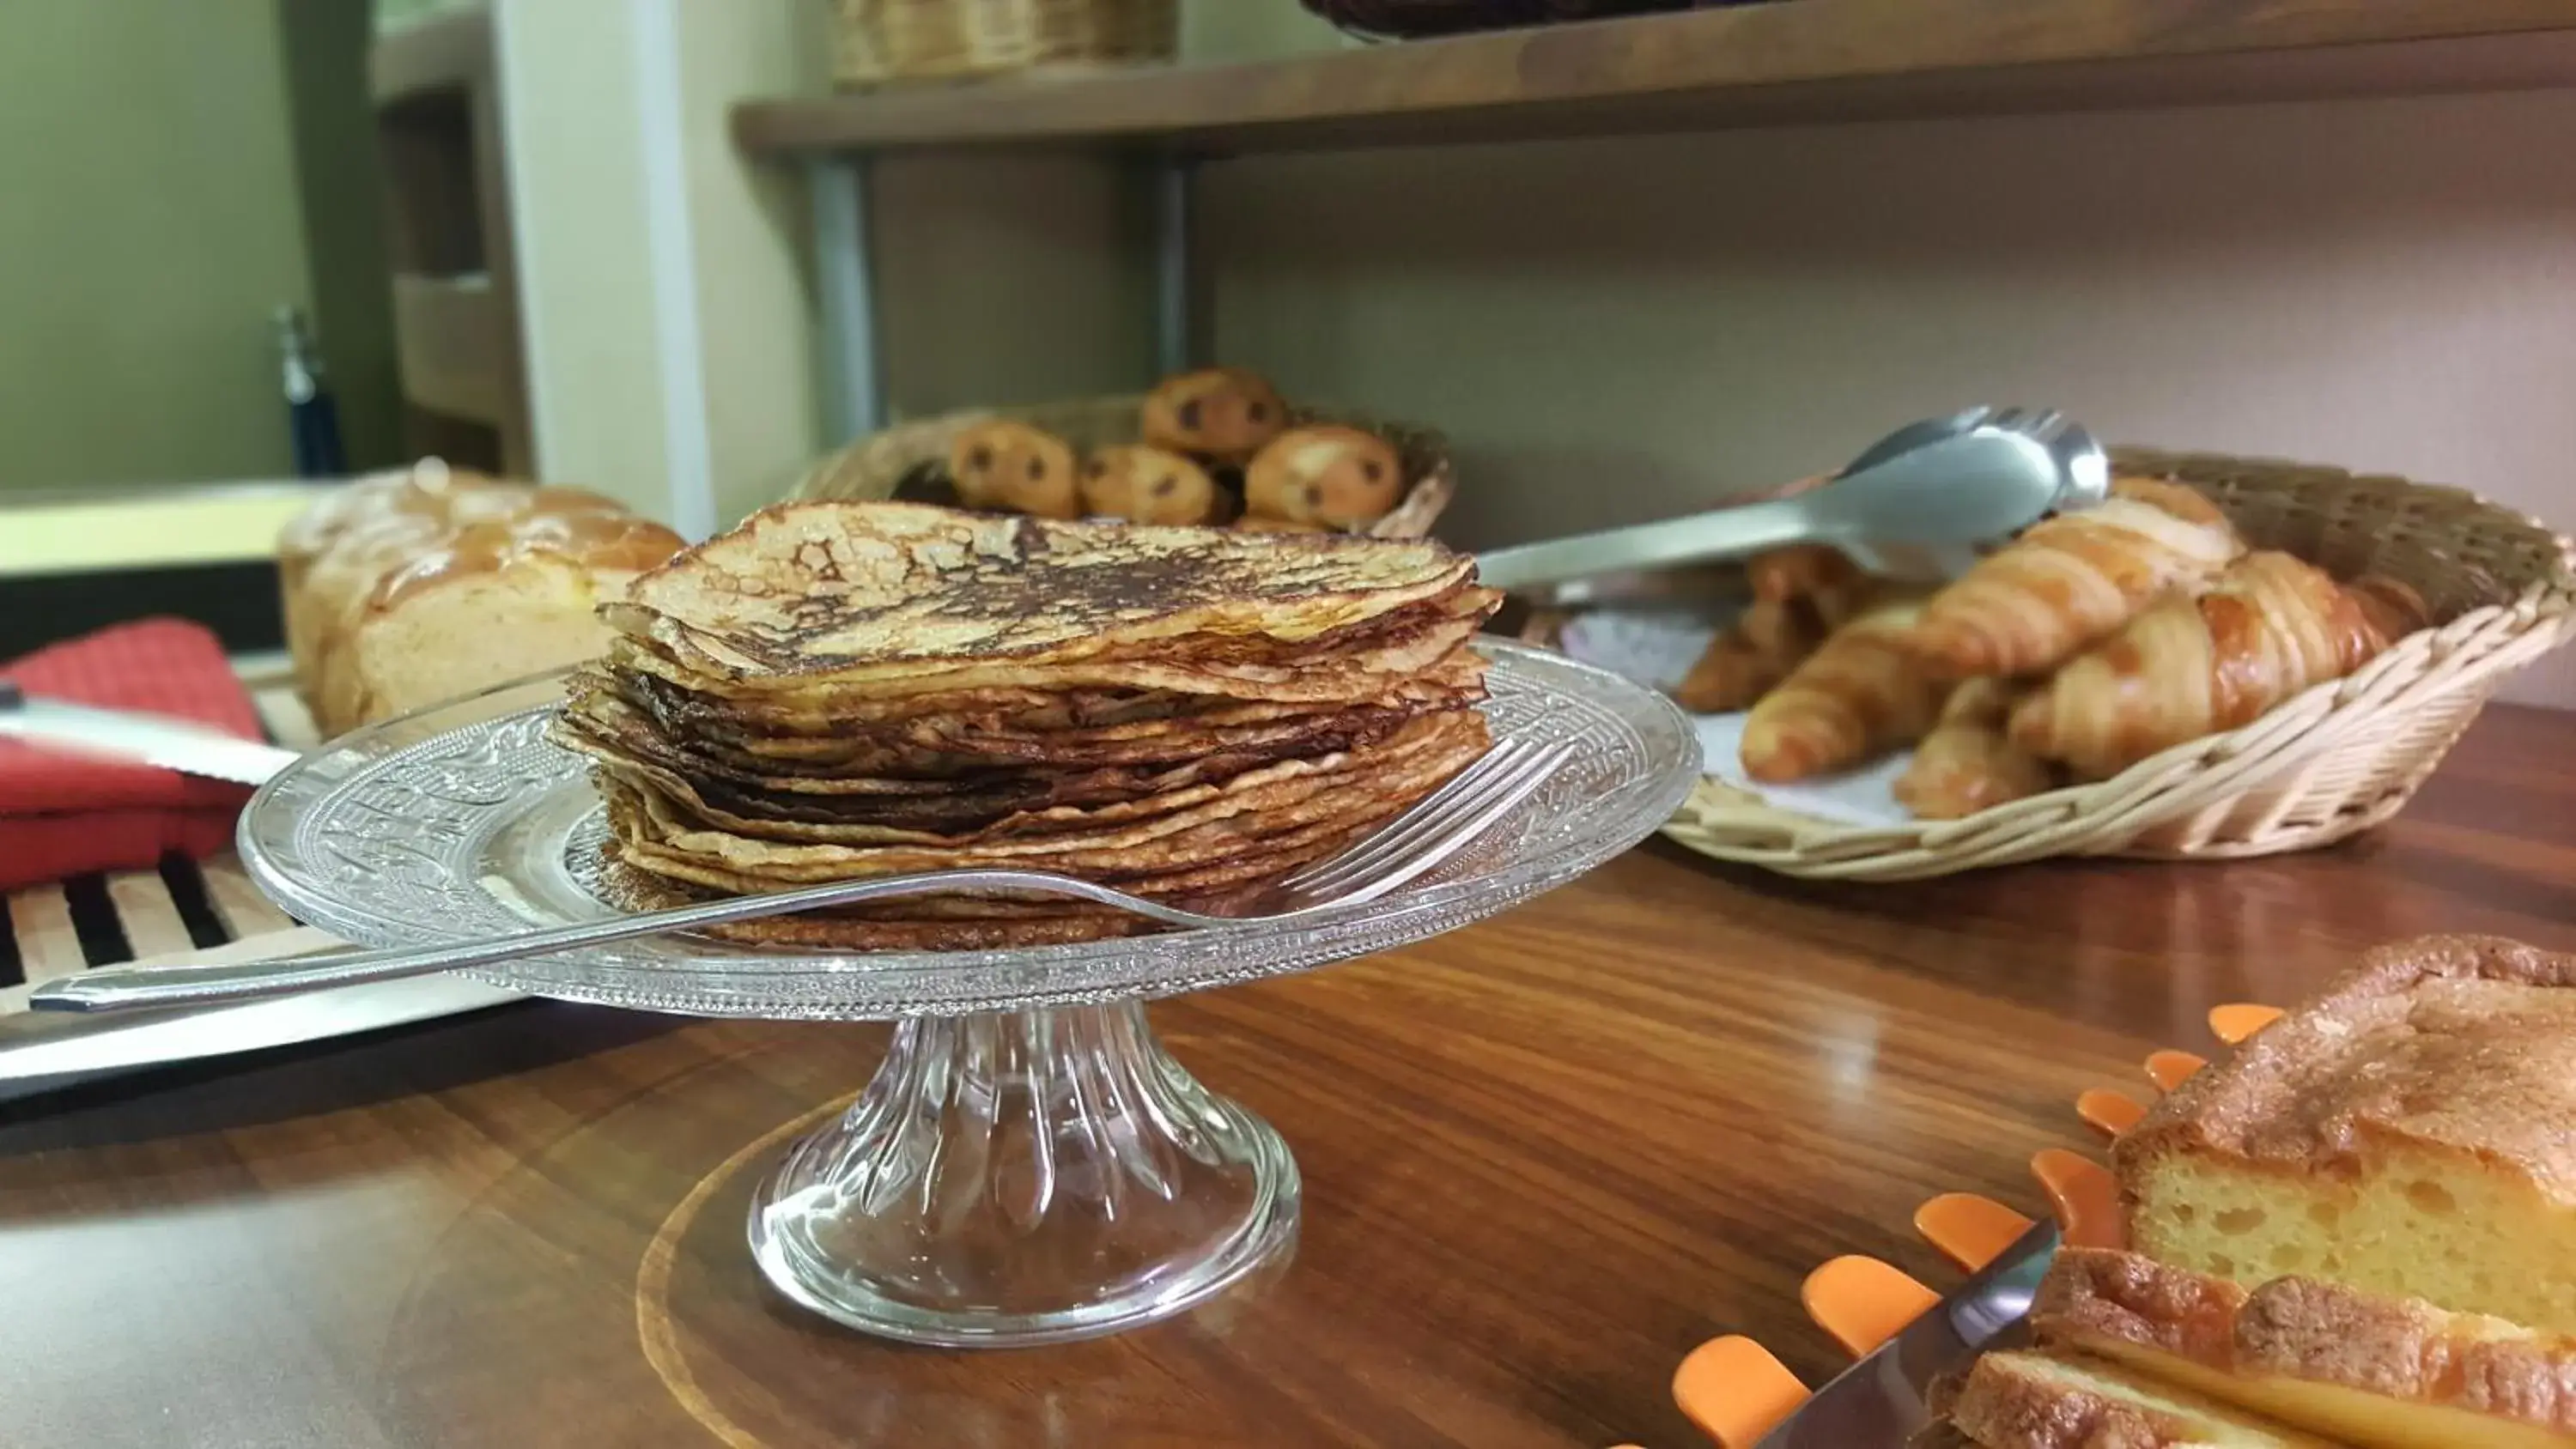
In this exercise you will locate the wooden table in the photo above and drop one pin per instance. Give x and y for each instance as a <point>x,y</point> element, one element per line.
<point>1544,1158</point>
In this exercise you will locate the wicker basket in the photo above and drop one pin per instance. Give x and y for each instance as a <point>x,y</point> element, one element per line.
<point>910,461</point>
<point>896,40</point>
<point>2326,764</point>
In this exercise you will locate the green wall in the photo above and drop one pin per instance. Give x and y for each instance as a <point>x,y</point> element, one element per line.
<point>152,223</point>
<point>333,118</point>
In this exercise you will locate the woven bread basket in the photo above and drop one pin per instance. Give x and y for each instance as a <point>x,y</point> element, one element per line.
<point>910,461</point>
<point>898,40</point>
<point>2325,764</point>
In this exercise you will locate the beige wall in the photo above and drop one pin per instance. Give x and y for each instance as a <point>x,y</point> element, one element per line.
<point>747,261</point>
<point>1615,330</point>
<point>148,226</point>
<point>667,308</point>
<point>569,108</point>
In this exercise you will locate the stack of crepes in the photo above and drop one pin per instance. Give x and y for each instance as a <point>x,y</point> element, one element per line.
<point>844,690</point>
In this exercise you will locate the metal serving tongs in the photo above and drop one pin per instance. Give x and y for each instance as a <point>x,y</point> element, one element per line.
<point>1935,488</point>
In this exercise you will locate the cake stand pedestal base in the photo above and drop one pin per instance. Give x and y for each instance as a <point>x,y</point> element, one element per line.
<point>1022,1178</point>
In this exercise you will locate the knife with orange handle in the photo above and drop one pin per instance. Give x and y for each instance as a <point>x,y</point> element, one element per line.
<point>2108,1112</point>
<point>1863,1302</point>
<point>2170,1069</point>
<point>1739,1394</point>
<point>1735,1391</point>
<point>1969,1230</point>
<point>2233,1024</point>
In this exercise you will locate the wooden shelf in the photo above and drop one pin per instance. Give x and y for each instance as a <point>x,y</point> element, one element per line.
<point>1798,61</point>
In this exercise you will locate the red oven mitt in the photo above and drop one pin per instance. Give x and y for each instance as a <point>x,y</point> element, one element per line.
<point>63,815</point>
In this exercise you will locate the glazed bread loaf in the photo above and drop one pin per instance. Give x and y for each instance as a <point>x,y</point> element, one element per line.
<point>2050,1401</point>
<point>403,589</point>
<point>2410,1133</point>
<point>2381,1373</point>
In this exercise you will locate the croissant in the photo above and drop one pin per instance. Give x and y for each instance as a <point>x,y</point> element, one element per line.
<point>1967,763</point>
<point>2265,629</point>
<point>1800,570</point>
<point>1743,663</point>
<point>2074,579</point>
<point>1863,692</point>
<point>1801,595</point>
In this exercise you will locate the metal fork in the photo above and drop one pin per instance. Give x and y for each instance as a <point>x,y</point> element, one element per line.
<point>1430,833</point>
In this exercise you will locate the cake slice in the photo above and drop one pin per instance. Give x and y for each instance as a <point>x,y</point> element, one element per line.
<point>2383,1373</point>
<point>2410,1133</point>
<point>2052,1401</point>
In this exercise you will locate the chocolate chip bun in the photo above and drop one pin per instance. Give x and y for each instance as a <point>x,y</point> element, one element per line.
<point>1339,477</point>
<point>1145,484</point>
<point>1014,468</point>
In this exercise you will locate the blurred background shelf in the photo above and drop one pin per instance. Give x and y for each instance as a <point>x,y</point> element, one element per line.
<point>456,307</point>
<point>1799,61</point>
<point>435,53</point>
<point>457,348</point>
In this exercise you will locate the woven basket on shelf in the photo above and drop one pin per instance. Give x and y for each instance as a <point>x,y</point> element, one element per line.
<point>910,460</point>
<point>2327,763</point>
<point>895,40</point>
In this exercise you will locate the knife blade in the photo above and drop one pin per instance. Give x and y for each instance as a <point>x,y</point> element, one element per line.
<point>169,743</point>
<point>43,1051</point>
<point>1882,1400</point>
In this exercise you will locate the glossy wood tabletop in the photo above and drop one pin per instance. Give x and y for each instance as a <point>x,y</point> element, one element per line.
<point>1544,1158</point>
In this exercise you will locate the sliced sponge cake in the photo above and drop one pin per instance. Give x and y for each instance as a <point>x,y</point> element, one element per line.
<point>2411,1133</point>
<point>2382,1373</point>
<point>2048,1401</point>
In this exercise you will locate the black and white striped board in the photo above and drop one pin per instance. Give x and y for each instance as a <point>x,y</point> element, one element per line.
<point>151,915</point>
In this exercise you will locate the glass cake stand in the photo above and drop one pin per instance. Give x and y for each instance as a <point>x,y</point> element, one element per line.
<point>1028,1165</point>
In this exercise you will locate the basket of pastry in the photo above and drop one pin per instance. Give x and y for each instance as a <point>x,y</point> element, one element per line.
<point>2226,658</point>
<point>920,40</point>
<point>405,588</point>
<point>1214,446</point>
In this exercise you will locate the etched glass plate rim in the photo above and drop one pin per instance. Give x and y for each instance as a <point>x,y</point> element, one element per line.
<point>1555,840</point>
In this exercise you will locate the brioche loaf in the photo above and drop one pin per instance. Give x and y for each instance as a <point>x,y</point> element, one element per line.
<point>2410,1133</point>
<point>2049,1401</point>
<point>2383,1373</point>
<point>403,589</point>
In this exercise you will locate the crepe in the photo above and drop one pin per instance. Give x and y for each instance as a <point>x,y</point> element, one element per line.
<point>1371,660</point>
<point>1133,834</point>
<point>874,591</point>
<point>843,691</point>
<point>947,745</point>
